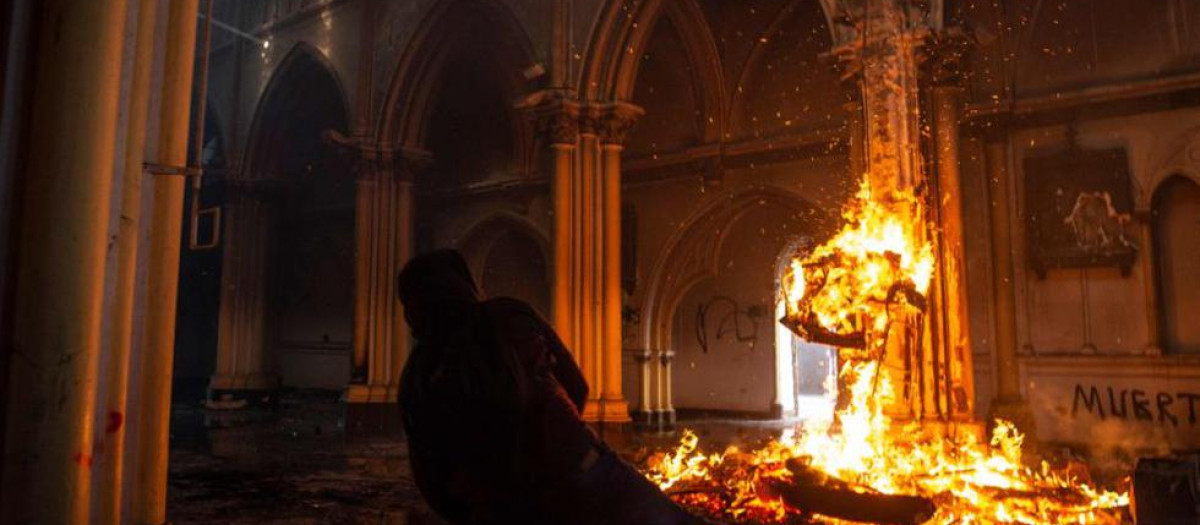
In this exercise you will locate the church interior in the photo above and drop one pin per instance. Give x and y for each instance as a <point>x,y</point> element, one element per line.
<point>943,251</point>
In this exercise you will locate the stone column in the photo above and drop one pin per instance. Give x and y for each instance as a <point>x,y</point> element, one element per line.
<point>952,381</point>
<point>666,407</point>
<point>110,464</point>
<point>586,143</point>
<point>617,121</point>
<point>384,243</point>
<point>75,92</point>
<point>1149,261</point>
<point>886,61</point>
<point>149,487</point>
<point>1008,403</point>
<point>557,121</point>
<point>645,413</point>
<point>242,369</point>
<point>884,57</point>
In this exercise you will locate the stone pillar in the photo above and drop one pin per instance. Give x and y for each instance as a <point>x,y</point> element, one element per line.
<point>557,121</point>
<point>110,464</point>
<point>645,413</point>
<point>149,488</point>
<point>1008,403</point>
<point>886,61</point>
<point>615,125</point>
<point>61,244</point>
<point>242,370</point>
<point>383,244</point>
<point>666,407</point>
<point>1149,261</point>
<point>953,379</point>
<point>585,146</point>
<point>884,57</point>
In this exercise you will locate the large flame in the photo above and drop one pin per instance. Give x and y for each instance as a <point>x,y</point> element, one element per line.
<point>848,287</point>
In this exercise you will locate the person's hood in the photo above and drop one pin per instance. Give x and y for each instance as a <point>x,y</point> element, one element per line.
<point>437,290</point>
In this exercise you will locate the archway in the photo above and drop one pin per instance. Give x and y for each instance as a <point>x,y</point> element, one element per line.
<point>806,370</point>
<point>736,236</point>
<point>453,97</point>
<point>509,258</point>
<point>288,268</point>
<point>311,284</point>
<point>725,342</point>
<point>1176,214</point>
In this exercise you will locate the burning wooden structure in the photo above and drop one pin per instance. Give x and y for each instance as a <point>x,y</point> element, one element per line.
<point>886,290</point>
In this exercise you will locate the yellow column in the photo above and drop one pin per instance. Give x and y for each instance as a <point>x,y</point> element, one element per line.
<point>110,461</point>
<point>557,120</point>
<point>615,409</point>
<point>614,123</point>
<point>953,381</point>
<point>586,308</point>
<point>150,482</point>
<point>61,250</point>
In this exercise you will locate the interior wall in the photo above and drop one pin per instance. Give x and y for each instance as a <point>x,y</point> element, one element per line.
<point>725,325</point>
<point>1067,363</point>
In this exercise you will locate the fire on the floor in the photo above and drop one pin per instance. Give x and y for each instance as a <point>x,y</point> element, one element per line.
<point>864,291</point>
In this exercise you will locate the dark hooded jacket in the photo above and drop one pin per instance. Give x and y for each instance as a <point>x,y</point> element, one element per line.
<point>490,398</point>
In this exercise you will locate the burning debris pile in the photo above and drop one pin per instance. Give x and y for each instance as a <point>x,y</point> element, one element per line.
<point>852,293</point>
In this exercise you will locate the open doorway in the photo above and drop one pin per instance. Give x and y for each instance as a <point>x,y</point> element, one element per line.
<point>807,370</point>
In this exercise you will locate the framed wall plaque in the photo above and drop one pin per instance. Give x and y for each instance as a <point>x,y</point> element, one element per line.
<point>1078,209</point>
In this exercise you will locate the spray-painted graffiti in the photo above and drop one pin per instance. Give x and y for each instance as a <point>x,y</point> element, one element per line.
<point>1168,408</point>
<point>730,319</point>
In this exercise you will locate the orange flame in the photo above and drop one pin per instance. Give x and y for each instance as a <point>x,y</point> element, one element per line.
<point>845,286</point>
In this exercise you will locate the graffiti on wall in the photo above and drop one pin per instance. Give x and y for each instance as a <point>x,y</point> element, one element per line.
<point>723,317</point>
<point>1168,408</point>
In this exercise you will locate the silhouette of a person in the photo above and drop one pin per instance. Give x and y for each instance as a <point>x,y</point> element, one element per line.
<point>490,399</point>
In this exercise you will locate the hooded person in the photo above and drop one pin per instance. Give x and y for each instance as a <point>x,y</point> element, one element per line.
<point>490,400</point>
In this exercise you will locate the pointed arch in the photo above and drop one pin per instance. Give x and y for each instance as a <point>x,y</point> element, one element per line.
<point>479,238</point>
<point>510,256</point>
<point>411,96</point>
<point>304,70</point>
<point>693,253</point>
<point>622,31</point>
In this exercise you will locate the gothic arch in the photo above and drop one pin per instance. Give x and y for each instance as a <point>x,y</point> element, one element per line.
<point>479,237</point>
<point>620,36</point>
<point>304,68</point>
<point>760,51</point>
<point>693,253</point>
<point>510,257</point>
<point>1175,206</point>
<point>1179,157</point>
<point>411,96</point>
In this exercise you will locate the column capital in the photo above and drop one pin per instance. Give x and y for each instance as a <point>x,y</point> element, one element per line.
<point>611,121</point>
<point>555,115</point>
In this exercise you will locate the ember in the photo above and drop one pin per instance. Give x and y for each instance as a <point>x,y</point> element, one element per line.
<point>865,466</point>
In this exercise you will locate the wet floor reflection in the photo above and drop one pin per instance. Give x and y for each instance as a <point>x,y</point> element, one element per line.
<point>293,463</point>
